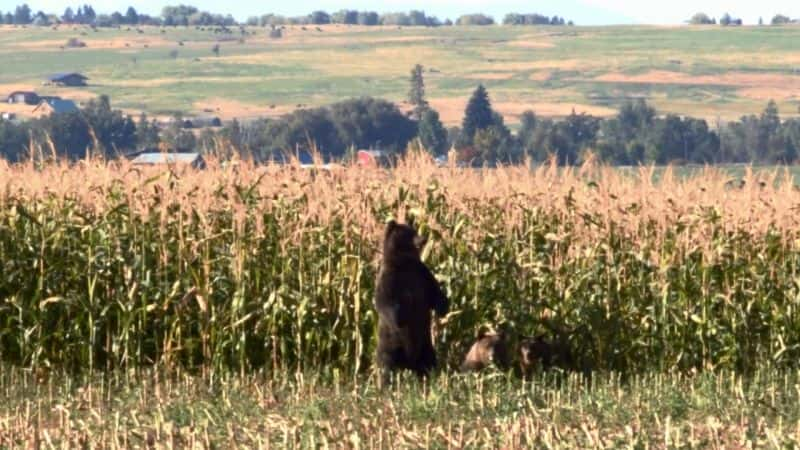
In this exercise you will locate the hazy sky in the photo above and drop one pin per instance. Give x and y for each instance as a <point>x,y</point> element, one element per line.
<point>585,12</point>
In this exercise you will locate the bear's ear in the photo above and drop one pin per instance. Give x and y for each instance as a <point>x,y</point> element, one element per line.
<point>390,225</point>
<point>420,241</point>
<point>410,221</point>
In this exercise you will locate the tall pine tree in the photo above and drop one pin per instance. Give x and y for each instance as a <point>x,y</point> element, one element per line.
<point>432,133</point>
<point>478,115</point>
<point>416,95</point>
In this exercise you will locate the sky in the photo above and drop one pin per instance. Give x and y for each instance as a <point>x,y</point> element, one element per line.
<point>583,12</point>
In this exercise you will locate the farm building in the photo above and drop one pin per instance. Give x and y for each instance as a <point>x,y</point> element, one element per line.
<point>373,158</point>
<point>159,158</point>
<point>55,105</point>
<point>23,98</point>
<point>67,79</point>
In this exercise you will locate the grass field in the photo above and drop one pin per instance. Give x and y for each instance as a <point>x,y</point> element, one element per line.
<point>150,410</point>
<point>709,72</point>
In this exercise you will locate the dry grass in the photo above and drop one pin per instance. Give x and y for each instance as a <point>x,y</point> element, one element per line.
<point>451,110</point>
<point>737,79</point>
<point>160,82</point>
<point>308,411</point>
<point>227,109</point>
<point>532,42</point>
<point>490,76</point>
<point>97,43</point>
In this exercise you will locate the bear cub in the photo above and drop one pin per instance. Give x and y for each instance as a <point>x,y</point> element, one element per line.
<point>406,293</point>
<point>540,353</point>
<point>489,349</point>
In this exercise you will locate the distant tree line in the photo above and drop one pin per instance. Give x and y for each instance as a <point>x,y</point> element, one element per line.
<point>185,15</point>
<point>534,19</point>
<point>780,19</point>
<point>636,135</point>
<point>727,20</point>
<point>350,17</point>
<point>180,15</point>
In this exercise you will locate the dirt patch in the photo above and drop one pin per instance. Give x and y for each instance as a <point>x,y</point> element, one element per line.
<point>547,64</point>
<point>77,95</point>
<point>490,76</point>
<point>227,109</point>
<point>542,75</point>
<point>95,43</point>
<point>339,28</point>
<point>160,82</point>
<point>754,86</point>
<point>6,89</point>
<point>451,110</point>
<point>736,79</point>
<point>531,44</point>
<point>769,93</point>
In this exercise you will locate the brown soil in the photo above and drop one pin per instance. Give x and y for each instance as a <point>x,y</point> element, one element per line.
<point>231,109</point>
<point>451,110</point>
<point>739,79</point>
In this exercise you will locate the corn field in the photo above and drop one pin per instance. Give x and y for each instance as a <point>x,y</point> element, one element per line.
<point>240,267</point>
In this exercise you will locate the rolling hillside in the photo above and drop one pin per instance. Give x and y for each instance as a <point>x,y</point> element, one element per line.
<point>708,72</point>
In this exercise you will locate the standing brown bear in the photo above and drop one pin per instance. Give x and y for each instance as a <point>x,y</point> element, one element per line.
<point>406,294</point>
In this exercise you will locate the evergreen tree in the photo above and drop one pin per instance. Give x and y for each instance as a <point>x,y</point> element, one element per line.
<point>22,15</point>
<point>234,134</point>
<point>146,133</point>
<point>89,13</point>
<point>432,133</point>
<point>769,146</point>
<point>478,115</point>
<point>416,95</point>
<point>69,15</point>
<point>131,16</point>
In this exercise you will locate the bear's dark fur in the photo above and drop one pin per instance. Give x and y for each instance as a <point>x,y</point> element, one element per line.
<point>489,349</point>
<point>541,353</point>
<point>406,294</point>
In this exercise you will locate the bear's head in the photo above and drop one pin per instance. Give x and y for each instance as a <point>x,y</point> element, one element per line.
<point>401,242</point>
<point>490,348</point>
<point>543,353</point>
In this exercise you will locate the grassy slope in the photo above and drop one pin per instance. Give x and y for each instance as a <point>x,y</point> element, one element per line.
<point>547,69</point>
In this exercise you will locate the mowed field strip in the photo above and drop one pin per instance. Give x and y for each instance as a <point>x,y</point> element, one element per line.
<point>708,72</point>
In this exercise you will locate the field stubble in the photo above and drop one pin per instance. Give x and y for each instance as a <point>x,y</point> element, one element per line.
<point>296,410</point>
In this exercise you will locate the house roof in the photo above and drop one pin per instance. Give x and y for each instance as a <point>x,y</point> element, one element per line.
<point>167,158</point>
<point>58,105</point>
<point>63,75</point>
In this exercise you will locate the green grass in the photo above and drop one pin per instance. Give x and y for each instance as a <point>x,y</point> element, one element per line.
<point>294,410</point>
<point>316,68</point>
